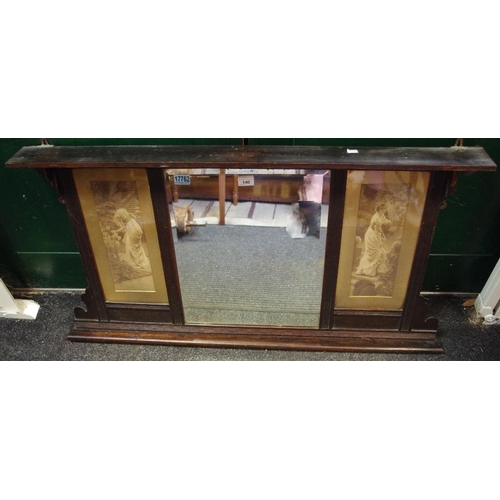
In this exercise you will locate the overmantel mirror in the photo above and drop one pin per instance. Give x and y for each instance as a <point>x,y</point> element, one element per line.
<point>317,248</point>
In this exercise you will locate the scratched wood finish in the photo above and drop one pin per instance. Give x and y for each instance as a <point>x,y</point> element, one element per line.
<point>94,295</point>
<point>306,157</point>
<point>160,202</point>
<point>332,247</point>
<point>436,194</point>
<point>260,338</point>
<point>408,330</point>
<point>137,313</point>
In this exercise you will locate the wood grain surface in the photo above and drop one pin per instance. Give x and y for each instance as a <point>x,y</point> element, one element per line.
<point>306,157</point>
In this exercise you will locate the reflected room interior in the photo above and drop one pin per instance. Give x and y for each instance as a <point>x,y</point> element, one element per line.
<point>250,244</point>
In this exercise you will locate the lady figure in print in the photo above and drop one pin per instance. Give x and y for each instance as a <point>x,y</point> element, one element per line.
<point>374,255</point>
<point>131,233</point>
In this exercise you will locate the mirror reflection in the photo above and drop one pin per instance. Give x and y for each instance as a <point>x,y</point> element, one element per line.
<point>250,244</point>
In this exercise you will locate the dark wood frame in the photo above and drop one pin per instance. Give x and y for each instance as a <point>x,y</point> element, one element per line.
<point>409,330</point>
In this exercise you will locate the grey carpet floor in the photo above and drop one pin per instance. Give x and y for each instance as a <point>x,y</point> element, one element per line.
<point>45,339</point>
<point>250,275</point>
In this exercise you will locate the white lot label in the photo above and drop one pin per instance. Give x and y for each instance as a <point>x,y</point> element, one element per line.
<point>182,180</point>
<point>245,180</point>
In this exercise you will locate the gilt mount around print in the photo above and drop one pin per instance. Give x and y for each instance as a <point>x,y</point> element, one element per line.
<point>119,217</point>
<point>382,215</point>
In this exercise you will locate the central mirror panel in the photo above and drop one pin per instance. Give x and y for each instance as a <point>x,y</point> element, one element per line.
<point>250,244</point>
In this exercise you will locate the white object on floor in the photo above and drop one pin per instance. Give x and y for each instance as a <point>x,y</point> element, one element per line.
<point>16,309</point>
<point>487,303</point>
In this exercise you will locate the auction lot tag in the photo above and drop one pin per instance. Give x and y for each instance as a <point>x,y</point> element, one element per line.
<point>182,180</point>
<point>245,180</point>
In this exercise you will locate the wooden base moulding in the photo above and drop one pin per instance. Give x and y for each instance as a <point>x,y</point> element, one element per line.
<point>259,338</point>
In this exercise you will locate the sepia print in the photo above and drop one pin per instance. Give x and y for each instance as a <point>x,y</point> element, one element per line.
<point>119,216</point>
<point>381,218</point>
<point>122,228</point>
<point>382,215</point>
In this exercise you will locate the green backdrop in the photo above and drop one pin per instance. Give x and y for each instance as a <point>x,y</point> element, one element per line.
<point>38,248</point>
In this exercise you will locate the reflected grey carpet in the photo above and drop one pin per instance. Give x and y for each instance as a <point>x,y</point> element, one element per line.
<point>250,275</point>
